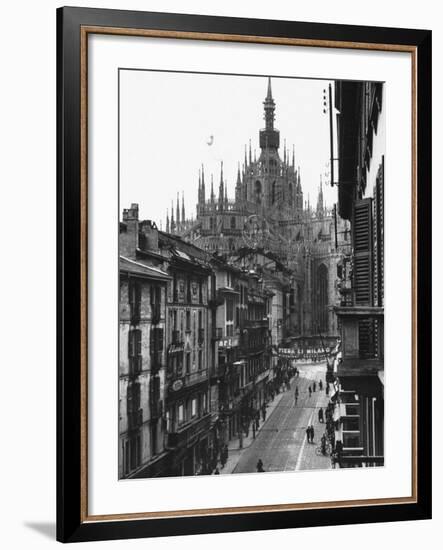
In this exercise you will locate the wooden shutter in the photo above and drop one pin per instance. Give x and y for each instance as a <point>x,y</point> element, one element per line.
<point>138,342</point>
<point>362,233</point>
<point>131,342</point>
<point>378,231</point>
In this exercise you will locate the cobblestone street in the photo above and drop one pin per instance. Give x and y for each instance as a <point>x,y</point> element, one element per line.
<point>281,442</point>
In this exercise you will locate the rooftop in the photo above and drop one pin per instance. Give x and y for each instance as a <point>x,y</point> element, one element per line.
<point>136,268</point>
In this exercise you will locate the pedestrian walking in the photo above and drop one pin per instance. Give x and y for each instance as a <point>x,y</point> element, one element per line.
<point>314,386</point>
<point>327,388</point>
<point>310,391</point>
<point>260,465</point>
<point>263,412</point>
<point>320,415</point>
<point>312,433</point>
<point>223,456</point>
<point>308,434</point>
<point>320,385</point>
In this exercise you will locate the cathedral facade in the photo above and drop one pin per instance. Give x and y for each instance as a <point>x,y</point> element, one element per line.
<point>269,215</point>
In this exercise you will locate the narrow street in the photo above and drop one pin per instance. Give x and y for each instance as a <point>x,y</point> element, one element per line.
<point>281,442</point>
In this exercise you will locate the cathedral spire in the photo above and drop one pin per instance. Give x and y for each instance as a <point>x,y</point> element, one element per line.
<point>177,212</point>
<point>293,156</point>
<point>167,221</point>
<point>172,217</point>
<point>269,106</point>
<point>250,153</point>
<point>320,206</point>
<point>269,136</point>
<point>183,207</point>
<point>203,191</point>
<point>212,188</point>
<point>221,186</point>
<point>238,185</point>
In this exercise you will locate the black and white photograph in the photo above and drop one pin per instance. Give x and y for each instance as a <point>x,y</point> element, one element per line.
<point>251,274</point>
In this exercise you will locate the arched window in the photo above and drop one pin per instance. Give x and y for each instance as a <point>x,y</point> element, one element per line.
<point>322,298</point>
<point>273,193</point>
<point>290,193</point>
<point>233,222</point>
<point>258,192</point>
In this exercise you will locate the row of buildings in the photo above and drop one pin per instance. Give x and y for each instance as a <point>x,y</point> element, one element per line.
<point>358,370</point>
<point>198,335</point>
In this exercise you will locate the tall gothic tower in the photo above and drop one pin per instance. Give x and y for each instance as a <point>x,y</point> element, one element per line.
<point>270,182</point>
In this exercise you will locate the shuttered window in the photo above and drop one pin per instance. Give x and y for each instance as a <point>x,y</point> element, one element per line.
<point>134,351</point>
<point>378,235</point>
<point>156,347</point>
<point>134,298</point>
<point>362,222</point>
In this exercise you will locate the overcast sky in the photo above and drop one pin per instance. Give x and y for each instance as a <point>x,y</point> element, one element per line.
<point>166,120</point>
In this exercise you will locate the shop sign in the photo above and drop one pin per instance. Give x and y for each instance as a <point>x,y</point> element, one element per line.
<point>177,385</point>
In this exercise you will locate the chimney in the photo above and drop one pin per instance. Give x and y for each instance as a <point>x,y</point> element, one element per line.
<point>128,239</point>
<point>148,236</point>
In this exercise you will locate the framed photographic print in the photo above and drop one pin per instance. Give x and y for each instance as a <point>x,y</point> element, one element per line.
<point>244,237</point>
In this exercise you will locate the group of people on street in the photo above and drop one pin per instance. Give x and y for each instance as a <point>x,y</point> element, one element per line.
<point>310,434</point>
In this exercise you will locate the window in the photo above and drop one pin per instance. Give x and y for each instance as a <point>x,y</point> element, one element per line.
<point>258,192</point>
<point>155,304</point>
<point>188,321</point>
<point>188,362</point>
<point>200,360</point>
<point>181,414</point>
<point>232,222</point>
<point>132,453</point>
<point>188,291</point>
<point>135,351</point>
<point>156,347</point>
<point>134,298</point>
<point>154,438</point>
<point>175,289</point>
<point>229,310</point>
<point>194,407</point>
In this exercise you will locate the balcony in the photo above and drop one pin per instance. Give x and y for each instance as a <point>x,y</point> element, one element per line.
<point>186,435</point>
<point>362,336</point>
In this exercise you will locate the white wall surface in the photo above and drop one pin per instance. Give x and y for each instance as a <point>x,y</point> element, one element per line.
<point>27,140</point>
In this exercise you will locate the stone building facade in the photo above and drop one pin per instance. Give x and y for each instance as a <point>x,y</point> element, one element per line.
<point>142,374</point>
